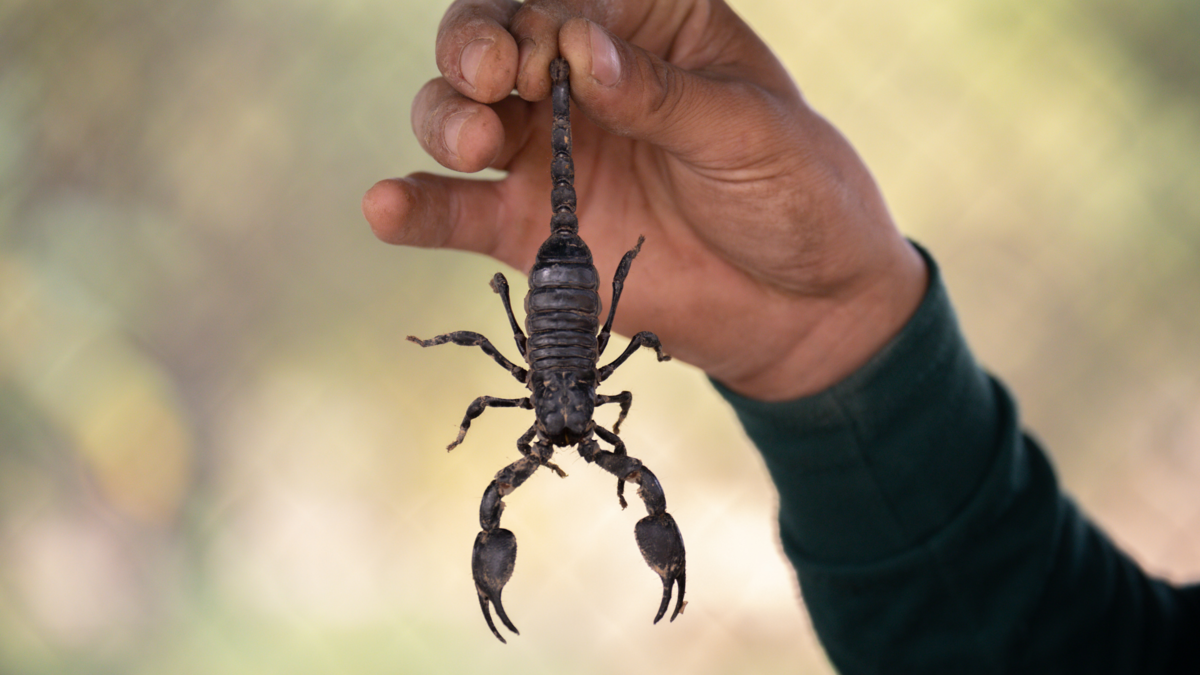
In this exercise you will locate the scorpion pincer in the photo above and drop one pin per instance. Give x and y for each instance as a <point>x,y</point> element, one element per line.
<point>563,348</point>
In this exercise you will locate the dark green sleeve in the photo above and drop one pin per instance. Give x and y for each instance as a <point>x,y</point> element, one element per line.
<point>929,533</point>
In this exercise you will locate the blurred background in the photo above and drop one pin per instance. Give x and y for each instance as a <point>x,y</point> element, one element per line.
<point>219,455</point>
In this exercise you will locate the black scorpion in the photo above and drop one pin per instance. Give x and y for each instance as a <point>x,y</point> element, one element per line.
<point>562,313</point>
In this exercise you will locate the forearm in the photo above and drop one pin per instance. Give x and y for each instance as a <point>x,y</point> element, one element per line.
<point>929,533</point>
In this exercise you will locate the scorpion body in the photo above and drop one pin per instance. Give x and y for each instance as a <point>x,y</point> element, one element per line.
<point>563,348</point>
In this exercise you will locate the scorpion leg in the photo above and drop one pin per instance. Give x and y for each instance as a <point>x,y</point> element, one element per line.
<point>624,398</point>
<point>495,552</point>
<point>526,448</point>
<point>476,409</point>
<point>618,285</point>
<point>642,339</point>
<point>657,534</point>
<point>500,286</point>
<point>468,339</point>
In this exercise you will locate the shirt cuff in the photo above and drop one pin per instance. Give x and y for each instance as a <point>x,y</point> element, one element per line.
<point>882,460</point>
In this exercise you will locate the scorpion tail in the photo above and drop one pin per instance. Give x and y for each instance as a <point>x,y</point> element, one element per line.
<point>492,564</point>
<point>562,167</point>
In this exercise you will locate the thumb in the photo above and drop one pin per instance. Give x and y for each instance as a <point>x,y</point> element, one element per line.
<point>628,91</point>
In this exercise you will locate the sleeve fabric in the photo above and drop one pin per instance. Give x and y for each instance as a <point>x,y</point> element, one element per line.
<point>929,533</point>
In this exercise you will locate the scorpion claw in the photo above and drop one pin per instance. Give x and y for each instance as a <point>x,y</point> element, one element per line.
<point>661,544</point>
<point>492,562</point>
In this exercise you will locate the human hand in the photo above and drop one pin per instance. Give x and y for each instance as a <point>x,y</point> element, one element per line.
<point>770,259</point>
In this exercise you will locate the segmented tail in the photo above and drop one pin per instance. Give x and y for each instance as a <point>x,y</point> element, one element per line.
<point>562,168</point>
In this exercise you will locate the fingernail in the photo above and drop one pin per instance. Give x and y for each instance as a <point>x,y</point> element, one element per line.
<point>606,66</point>
<point>454,125</point>
<point>471,57</point>
<point>523,51</point>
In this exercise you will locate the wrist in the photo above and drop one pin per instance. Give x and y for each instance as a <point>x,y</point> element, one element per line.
<point>836,336</point>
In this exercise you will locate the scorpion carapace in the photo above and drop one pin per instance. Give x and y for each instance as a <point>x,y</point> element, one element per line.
<point>563,348</point>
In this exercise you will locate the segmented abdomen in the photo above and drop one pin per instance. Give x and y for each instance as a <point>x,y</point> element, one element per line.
<point>562,313</point>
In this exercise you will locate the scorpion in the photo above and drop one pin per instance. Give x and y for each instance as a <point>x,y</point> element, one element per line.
<point>563,348</point>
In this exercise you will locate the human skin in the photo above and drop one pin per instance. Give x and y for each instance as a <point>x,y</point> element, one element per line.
<point>770,262</point>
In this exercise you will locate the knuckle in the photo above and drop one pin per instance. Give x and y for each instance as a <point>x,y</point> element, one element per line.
<point>464,14</point>
<point>537,20</point>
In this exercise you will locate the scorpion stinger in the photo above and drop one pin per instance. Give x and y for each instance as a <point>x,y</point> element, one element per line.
<point>563,347</point>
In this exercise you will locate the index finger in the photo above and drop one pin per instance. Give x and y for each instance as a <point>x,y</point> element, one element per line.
<point>475,52</point>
